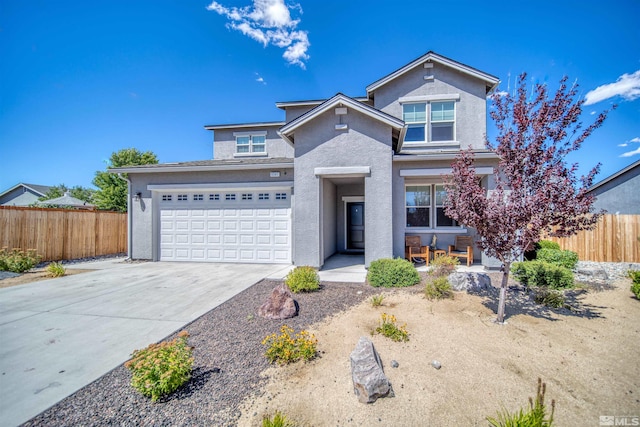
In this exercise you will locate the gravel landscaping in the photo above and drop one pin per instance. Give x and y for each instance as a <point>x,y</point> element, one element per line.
<point>228,361</point>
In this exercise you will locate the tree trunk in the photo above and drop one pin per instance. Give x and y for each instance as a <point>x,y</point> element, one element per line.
<point>503,292</point>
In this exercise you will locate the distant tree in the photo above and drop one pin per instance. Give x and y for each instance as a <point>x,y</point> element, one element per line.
<point>536,191</point>
<point>78,192</point>
<point>112,191</point>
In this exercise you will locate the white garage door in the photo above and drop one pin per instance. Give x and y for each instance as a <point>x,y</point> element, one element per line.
<point>235,226</point>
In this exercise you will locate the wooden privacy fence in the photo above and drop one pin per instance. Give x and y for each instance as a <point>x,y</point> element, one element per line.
<point>58,234</point>
<point>615,239</point>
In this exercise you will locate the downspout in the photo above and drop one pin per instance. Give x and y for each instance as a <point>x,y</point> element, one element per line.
<point>129,216</point>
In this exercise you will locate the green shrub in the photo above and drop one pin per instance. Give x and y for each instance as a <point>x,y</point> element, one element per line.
<point>161,368</point>
<point>278,420</point>
<point>540,273</point>
<point>566,259</point>
<point>634,275</point>
<point>549,297</point>
<point>55,269</point>
<point>17,260</point>
<point>547,244</point>
<point>285,348</point>
<point>438,288</point>
<point>535,416</point>
<point>376,300</point>
<point>388,272</point>
<point>443,265</point>
<point>303,279</point>
<point>389,328</point>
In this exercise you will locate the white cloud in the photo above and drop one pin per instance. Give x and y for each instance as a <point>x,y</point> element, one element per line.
<point>626,143</point>
<point>636,139</point>
<point>631,153</point>
<point>269,22</point>
<point>627,86</point>
<point>260,79</point>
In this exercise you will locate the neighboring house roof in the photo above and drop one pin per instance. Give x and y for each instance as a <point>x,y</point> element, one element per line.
<point>68,200</point>
<point>208,165</point>
<point>244,125</point>
<point>491,81</point>
<point>614,176</point>
<point>39,189</point>
<point>339,100</point>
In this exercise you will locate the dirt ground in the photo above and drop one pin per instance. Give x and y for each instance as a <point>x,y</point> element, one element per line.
<point>588,358</point>
<point>36,275</point>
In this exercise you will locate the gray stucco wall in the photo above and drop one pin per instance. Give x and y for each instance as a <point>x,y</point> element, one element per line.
<point>292,113</point>
<point>621,195</point>
<point>145,212</point>
<point>329,218</point>
<point>367,142</point>
<point>224,145</point>
<point>471,108</point>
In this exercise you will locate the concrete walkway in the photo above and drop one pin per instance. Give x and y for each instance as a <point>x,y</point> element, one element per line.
<point>60,334</point>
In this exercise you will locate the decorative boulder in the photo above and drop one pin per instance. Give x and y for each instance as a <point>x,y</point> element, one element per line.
<point>369,380</point>
<point>279,305</point>
<point>473,282</point>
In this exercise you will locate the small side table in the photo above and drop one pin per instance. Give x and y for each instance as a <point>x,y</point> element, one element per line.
<point>438,253</point>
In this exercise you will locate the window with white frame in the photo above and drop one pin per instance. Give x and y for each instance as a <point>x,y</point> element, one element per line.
<point>281,196</point>
<point>251,143</point>
<point>263,196</point>
<point>166,197</point>
<point>425,206</point>
<point>439,127</point>
<point>247,196</point>
<point>214,197</point>
<point>182,197</point>
<point>198,197</point>
<point>229,196</point>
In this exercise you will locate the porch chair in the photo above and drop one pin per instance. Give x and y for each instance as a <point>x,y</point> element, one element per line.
<point>413,249</point>
<point>463,248</point>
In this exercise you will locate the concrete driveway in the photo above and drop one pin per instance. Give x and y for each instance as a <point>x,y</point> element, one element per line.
<point>59,335</point>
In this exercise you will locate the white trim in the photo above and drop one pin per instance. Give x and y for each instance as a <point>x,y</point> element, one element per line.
<point>245,125</point>
<point>347,171</point>
<point>443,155</point>
<point>201,168</point>
<point>447,230</point>
<point>440,171</point>
<point>353,199</point>
<point>429,98</point>
<point>228,186</point>
<point>256,154</point>
<point>251,133</point>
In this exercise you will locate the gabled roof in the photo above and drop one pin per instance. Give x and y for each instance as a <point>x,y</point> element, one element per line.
<point>491,81</point>
<point>244,125</point>
<point>68,200</point>
<point>39,189</point>
<point>339,100</point>
<point>615,175</point>
<point>310,103</point>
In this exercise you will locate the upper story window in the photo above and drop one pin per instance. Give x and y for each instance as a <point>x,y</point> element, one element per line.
<point>439,127</point>
<point>425,206</point>
<point>251,143</point>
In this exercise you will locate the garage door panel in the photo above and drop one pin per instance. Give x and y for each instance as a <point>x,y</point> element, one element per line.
<point>225,230</point>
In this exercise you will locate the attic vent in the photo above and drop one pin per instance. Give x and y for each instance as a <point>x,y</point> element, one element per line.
<point>429,77</point>
<point>342,126</point>
<point>341,111</point>
<point>428,65</point>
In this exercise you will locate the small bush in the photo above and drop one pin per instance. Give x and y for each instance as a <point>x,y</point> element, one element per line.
<point>547,244</point>
<point>303,279</point>
<point>566,259</point>
<point>540,273</point>
<point>438,288</point>
<point>161,368</point>
<point>278,420</point>
<point>390,329</point>
<point>17,260</point>
<point>443,265</point>
<point>55,269</point>
<point>285,348</point>
<point>388,272</point>
<point>535,416</point>
<point>376,300</point>
<point>634,275</point>
<point>549,297</point>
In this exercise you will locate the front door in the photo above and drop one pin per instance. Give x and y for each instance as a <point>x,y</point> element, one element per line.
<point>355,226</point>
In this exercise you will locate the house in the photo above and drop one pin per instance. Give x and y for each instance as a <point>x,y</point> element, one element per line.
<point>67,201</point>
<point>23,194</point>
<point>338,175</point>
<point>618,193</point>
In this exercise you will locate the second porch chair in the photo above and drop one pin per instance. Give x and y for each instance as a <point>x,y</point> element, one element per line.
<point>414,249</point>
<point>463,248</point>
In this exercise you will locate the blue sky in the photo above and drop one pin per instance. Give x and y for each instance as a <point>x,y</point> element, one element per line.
<point>80,80</point>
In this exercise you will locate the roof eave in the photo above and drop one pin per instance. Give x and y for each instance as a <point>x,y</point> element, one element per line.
<point>201,168</point>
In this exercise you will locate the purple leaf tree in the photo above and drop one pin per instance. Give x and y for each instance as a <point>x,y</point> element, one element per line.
<point>536,192</point>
